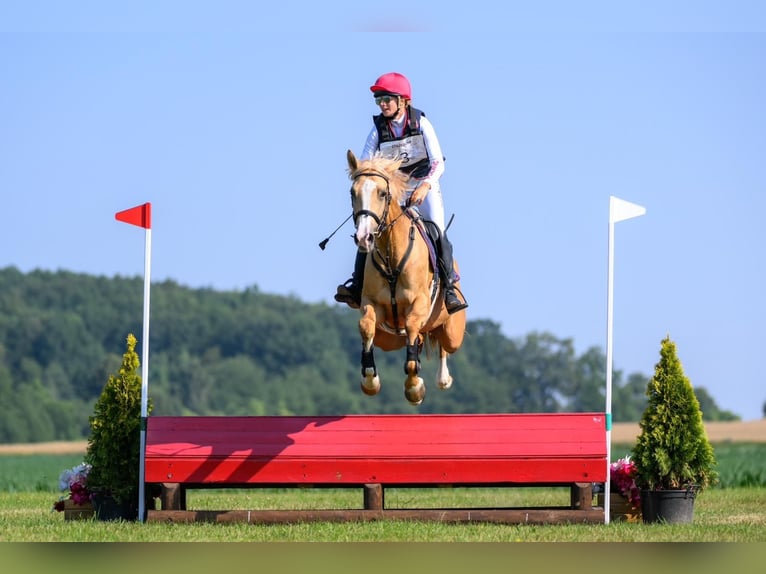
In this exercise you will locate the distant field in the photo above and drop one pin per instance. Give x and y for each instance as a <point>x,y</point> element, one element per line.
<point>623,433</point>
<point>748,431</point>
<point>60,447</point>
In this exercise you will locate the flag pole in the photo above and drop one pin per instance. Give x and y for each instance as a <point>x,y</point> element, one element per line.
<point>609,305</point>
<point>144,373</point>
<point>141,216</point>
<point>619,210</point>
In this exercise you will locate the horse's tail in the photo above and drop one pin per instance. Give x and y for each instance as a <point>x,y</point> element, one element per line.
<point>430,343</point>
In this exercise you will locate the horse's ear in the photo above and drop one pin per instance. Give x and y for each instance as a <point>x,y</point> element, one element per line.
<point>352,163</point>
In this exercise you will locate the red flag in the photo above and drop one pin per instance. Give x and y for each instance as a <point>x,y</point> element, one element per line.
<point>140,215</point>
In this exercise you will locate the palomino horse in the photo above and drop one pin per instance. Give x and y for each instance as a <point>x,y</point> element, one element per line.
<point>402,298</point>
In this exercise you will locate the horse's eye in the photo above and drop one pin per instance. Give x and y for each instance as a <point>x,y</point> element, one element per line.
<point>382,193</point>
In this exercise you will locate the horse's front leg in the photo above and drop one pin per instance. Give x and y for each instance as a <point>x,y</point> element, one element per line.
<point>370,379</point>
<point>414,388</point>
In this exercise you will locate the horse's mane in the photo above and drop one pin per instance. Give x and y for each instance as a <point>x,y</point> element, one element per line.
<point>397,180</point>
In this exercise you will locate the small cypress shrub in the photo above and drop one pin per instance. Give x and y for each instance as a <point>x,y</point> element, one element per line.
<point>672,450</point>
<point>114,444</point>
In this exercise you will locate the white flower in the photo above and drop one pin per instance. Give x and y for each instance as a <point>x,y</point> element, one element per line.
<point>70,476</point>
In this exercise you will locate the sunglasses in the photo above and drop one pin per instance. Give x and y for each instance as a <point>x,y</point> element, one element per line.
<point>384,99</point>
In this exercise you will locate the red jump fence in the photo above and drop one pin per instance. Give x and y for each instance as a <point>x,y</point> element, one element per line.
<point>375,453</point>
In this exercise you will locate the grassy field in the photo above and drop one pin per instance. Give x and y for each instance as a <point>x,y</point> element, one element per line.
<point>721,515</point>
<point>734,511</point>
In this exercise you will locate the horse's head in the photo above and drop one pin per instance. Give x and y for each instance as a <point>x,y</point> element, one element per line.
<point>377,187</point>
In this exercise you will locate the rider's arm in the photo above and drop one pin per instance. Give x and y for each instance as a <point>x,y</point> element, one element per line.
<point>371,145</point>
<point>434,152</point>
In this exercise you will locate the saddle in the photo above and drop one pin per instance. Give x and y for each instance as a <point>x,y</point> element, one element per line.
<point>430,233</point>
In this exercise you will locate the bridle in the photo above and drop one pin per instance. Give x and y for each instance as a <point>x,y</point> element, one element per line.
<point>380,220</point>
<point>382,263</point>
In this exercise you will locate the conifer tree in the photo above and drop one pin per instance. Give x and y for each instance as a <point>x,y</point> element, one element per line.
<point>114,443</point>
<point>672,450</point>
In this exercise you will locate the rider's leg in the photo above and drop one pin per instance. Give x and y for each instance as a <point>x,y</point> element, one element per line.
<point>452,302</point>
<point>432,210</point>
<point>351,291</point>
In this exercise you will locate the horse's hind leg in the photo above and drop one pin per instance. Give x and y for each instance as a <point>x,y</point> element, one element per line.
<point>370,379</point>
<point>443,377</point>
<point>450,337</point>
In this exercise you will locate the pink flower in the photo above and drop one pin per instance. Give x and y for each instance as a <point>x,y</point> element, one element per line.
<point>76,481</point>
<point>622,474</point>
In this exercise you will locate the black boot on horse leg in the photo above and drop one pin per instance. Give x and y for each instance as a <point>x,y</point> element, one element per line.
<point>414,388</point>
<point>370,380</point>
<point>452,302</point>
<point>351,291</point>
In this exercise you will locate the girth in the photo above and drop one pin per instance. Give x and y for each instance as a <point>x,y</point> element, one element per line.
<point>391,275</point>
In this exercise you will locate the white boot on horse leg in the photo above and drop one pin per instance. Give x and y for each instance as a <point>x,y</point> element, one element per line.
<point>443,378</point>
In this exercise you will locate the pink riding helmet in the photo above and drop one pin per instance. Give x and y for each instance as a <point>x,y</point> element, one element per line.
<point>393,83</point>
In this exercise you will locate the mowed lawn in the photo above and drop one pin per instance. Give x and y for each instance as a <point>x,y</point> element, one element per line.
<point>734,511</point>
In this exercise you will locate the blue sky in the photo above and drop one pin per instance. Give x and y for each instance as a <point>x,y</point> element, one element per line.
<point>233,120</point>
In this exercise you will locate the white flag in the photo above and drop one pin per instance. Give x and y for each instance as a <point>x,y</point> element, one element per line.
<point>620,210</point>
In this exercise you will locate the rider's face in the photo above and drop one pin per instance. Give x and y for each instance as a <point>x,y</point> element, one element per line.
<point>389,105</point>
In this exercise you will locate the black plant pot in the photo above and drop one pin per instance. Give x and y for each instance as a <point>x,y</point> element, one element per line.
<point>107,508</point>
<point>669,506</point>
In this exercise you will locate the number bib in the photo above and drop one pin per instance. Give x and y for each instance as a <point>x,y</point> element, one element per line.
<point>410,150</point>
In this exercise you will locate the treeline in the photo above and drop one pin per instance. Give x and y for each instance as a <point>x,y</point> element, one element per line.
<point>249,353</point>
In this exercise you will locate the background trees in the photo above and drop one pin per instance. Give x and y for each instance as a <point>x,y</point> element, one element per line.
<point>251,353</point>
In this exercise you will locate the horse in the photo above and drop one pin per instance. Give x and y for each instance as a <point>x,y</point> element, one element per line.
<point>402,301</point>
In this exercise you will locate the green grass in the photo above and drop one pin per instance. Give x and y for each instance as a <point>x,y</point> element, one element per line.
<point>721,515</point>
<point>34,473</point>
<point>732,511</point>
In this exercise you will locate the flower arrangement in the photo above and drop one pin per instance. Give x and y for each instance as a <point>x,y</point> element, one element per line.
<point>622,475</point>
<point>75,480</point>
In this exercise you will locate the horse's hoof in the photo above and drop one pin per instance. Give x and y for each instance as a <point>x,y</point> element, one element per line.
<point>444,385</point>
<point>415,393</point>
<point>371,386</point>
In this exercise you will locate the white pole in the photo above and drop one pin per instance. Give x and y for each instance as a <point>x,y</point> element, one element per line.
<point>144,372</point>
<point>619,210</point>
<point>609,304</point>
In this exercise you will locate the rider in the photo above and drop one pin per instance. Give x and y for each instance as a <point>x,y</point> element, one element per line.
<point>401,131</point>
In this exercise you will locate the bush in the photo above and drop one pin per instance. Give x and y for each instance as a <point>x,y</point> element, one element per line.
<point>672,450</point>
<point>114,445</point>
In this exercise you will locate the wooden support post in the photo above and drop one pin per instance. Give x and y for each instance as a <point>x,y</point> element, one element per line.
<point>373,497</point>
<point>172,496</point>
<point>582,496</point>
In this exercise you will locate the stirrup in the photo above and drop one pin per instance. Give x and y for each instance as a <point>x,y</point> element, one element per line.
<point>348,294</point>
<point>452,302</point>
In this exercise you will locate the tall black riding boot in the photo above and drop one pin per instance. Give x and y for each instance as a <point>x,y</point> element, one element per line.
<point>351,291</point>
<point>452,302</point>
